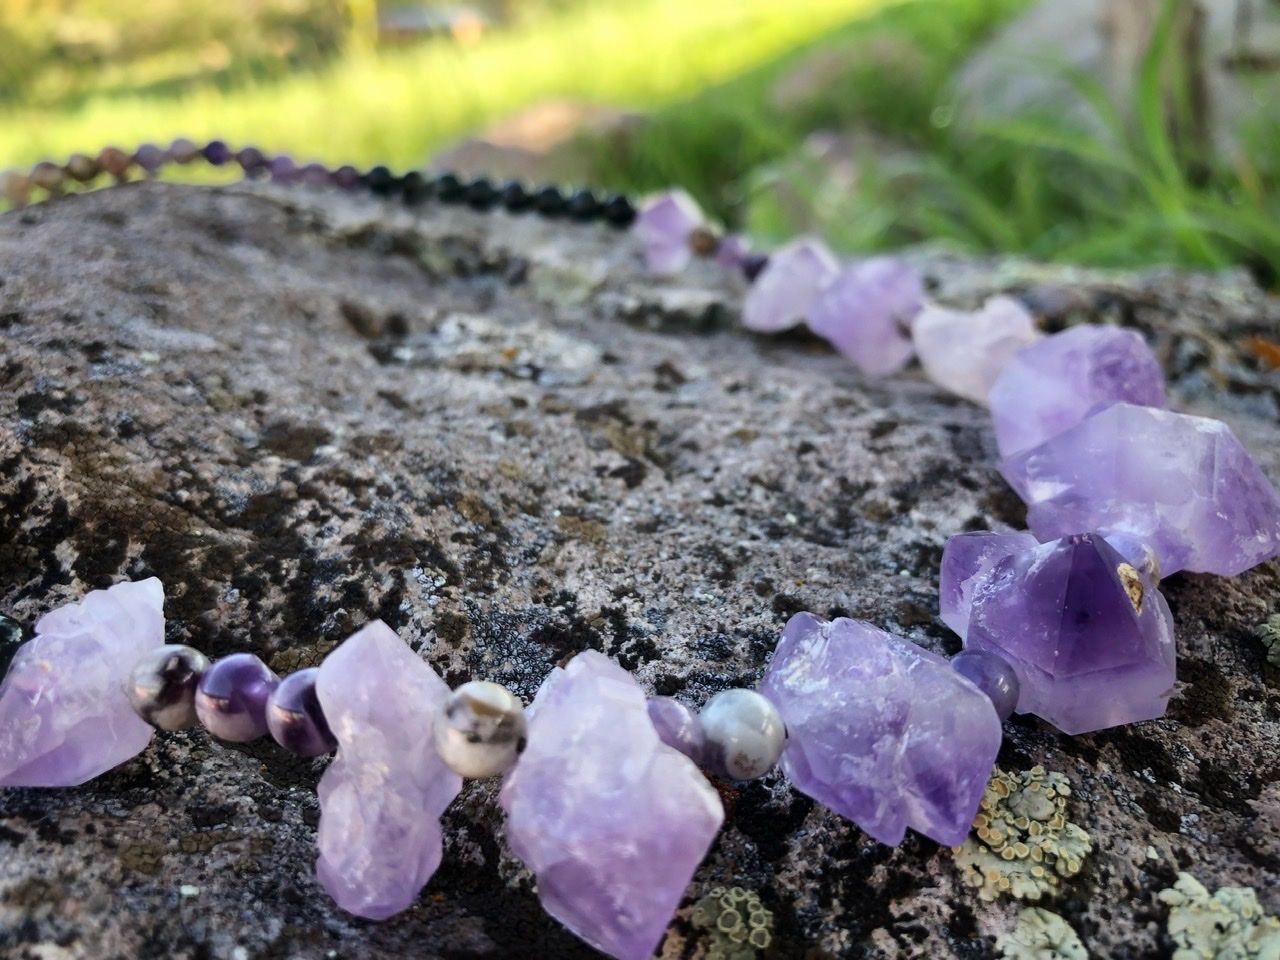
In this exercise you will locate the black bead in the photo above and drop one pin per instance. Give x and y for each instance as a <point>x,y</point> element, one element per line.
<point>515,197</point>
<point>415,187</point>
<point>583,206</point>
<point>12,636</point>
<point>753,264</point>
<point>380,180</point>
<point>618,211</point>
<point>481,194</point>
<point>449,188</point>
<point>549,202</point>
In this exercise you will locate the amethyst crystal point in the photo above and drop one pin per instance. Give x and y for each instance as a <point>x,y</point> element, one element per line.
<point>1181,485</point>
<point>966,560</point>
<point>678,727</point>
<point>382,796</point>
<point>864,311</point>
<point>65,715</point>
<point>1089,637</point>
<point>611,820</point>
<point>965,352</point>
<point>788,286</point>
<point>1055,383</point>
<point>664,225</point>
<point>881,731</point>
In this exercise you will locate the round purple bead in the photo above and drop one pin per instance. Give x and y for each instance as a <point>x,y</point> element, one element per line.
<point>295,719</point>
<point>346,177</point>
<point>283,169</point>
<point>216,153</point>
<point>150,157</point>
<point>678,727</point>
<point>252,161</point>
<point>315,175</point>
<point>231,700</point>
<point>992,675</point>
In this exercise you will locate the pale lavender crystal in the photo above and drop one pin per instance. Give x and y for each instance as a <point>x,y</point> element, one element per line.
<point>382,796</point>
<point>790,283</point>
<point>733,251</point>
<point>966,561</point>
<point>611,820</point>
<point>965,352</point>
<point>65,715</point>
<point>881,731</point>
<point>663,226</point>
<point>865,310</point>
<point>1181,485</point>
<point>678,727</point>
<point>1089,636</point>
<point>1055,383</point>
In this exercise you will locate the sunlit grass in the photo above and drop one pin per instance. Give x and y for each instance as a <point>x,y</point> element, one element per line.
<point>397,106</point>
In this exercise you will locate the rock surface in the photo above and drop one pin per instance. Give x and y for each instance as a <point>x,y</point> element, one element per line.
<point>510,444</point>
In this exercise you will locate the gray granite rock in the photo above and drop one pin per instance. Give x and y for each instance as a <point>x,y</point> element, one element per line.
<point>504,439</point>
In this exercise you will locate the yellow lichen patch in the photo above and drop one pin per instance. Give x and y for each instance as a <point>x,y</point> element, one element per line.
<point>737,923</point>
<point>1132,581</point>
<point>1025,845</point>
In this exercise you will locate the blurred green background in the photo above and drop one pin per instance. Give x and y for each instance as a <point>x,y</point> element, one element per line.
<point>845,117</point>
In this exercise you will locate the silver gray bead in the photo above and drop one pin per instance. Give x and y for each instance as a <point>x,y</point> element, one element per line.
<point>162,687</point>
<point>745,735</point>
<point>480,730</point>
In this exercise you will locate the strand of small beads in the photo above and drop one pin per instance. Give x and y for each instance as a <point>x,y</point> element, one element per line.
<point>1065,622</point>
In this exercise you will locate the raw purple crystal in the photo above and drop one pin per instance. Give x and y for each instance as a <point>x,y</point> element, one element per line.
<point>1055,383</point>
<point>1089,637</point>
<point>1181,485</point>
<point>611,820</point>
<point>881,731</point>
<point>965,352</point>
<point>788,286</point>
<point>65,715</point>
<point>382,796</point>
<point>663,226</point>
<point>733,251</point>
<point>967,560</point>
<point>865,310</point>
<point>678,727</point>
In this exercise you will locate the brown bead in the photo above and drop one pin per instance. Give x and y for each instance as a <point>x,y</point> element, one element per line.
<point>49,176</point>
<point>183,150</point>
<point>82,168</point>
<point>15,187</point>
<point>115,162</point>
<point>704,241</point>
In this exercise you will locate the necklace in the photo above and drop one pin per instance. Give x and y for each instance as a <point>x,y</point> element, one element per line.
<point>829,681</point>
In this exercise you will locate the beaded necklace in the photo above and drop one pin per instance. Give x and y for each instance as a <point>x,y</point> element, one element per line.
<point>604,798</point>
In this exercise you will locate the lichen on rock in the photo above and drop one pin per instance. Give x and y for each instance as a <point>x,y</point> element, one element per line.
<point>1227,925</point>
<point>1269,634</point>
<point>1041,935</point>
<point>1022,844</point>
<point>738,925</point>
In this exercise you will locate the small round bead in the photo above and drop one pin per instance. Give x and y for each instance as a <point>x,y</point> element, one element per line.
<point>346,177</point>
<point>252,161</point>
<point>481,194</point>
<point>380,180</point>
<point>82,168</point>
<point>549,202</point>
<point>992,675</point>
<point>619,212</point>
<point>282,169</point>
<point>231,700</point>
<point>295,719</point>
<point>480,730</point>
<point>745,734</point>
<point>315,175</point>
<point>49,176</point>
<point>216,153</point>
<point>415,187</point>
<point>162,687</point>
<point>115,162</point>
<point>15,187</point>
<point>150,157</point>
<point>184,151</point>
<point>449,188</point>
<point>514,197</point>
<point>678,727</point>
<point>583,206</point>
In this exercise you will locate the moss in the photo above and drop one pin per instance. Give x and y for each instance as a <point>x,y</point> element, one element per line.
<point>1269,634</point>
<point>737,924</point>
<point>1041,935</point>
<point>1022,844</point>
<point>1226,924</point>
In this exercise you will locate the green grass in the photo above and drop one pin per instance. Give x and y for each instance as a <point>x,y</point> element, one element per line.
<point>397,106</point>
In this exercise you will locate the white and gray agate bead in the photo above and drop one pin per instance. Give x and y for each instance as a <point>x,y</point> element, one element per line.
<point>480,730</point>
<point>162,687</point>
<point>744,733</point>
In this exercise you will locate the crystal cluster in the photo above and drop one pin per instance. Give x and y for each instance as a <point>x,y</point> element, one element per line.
<point>1055,383</point>
<point>881,731</point>
<point>965,352</point>
<point>1182,485</point>
<point>865,310</point>
<point>65,714</point>
<point>611,820</point>
<point>382,796</point>
<point>1088,635</point>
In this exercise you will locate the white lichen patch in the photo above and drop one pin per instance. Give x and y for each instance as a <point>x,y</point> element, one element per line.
<point>1022,844</point>
<point>1227,924</point>
<point>1041,935</point>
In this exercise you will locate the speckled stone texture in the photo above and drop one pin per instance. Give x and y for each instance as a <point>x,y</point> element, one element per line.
<point>504,439</point>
